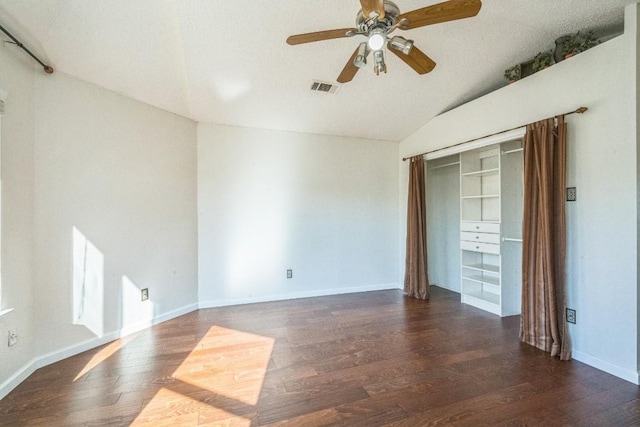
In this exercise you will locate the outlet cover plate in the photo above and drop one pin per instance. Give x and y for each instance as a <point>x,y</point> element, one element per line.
<point>571,315</point>
<point>12,339</point>
<point>144,293</point>
<point>289,273</point>
<point>571,194</point>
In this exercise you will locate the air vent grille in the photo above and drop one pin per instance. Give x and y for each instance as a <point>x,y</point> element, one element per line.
<point>319,86</point>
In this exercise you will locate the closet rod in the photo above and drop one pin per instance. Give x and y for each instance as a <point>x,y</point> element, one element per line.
<point>578,111</point>
<point>444,166</point>
<point>517,150</point>
<point>509,239</point>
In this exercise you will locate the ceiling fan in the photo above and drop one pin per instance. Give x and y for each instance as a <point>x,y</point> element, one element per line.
<point>377,20</point>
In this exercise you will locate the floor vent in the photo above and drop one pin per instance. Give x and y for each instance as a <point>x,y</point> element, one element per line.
<point>318,86</point>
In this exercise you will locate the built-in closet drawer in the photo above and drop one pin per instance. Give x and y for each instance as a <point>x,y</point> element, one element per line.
<point>480,227</point>
<point>489,248</point>
<point>480,237</point>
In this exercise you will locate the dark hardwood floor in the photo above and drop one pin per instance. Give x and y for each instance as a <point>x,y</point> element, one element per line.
<point>365,359</point>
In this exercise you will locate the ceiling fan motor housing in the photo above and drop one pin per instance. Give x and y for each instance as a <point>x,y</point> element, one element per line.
<point>391,11</point>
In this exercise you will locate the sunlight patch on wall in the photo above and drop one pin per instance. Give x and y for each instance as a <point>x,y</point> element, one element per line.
<point>134,310</point>
<point>88,284</point>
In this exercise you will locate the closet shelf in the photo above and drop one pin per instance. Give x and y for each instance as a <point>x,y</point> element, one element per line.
<point>484,296</point>
<point>495,281</point>
<point>480,173</point>
<point>482,267</point>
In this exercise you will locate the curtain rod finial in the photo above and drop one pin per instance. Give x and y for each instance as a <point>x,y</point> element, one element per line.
<point>48,69</point>
<point>581,110</point>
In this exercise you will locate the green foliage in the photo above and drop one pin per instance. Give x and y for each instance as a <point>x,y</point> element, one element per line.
<point>542,60</point>
<point>514,73</point>
<point>576,43</point>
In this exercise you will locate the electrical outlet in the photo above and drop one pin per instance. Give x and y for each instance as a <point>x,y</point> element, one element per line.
<point>571,194</point>
<point>12,339</point>
<point>144,293</point>
<point>289,273</point>
<point>571,315</point>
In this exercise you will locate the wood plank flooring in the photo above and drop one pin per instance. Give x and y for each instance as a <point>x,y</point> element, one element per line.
<point>368,359</point>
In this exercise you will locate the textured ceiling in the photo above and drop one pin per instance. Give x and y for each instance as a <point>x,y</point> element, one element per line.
<point>227,61</point>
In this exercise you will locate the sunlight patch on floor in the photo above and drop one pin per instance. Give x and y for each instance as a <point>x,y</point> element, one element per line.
<point>104,354</point>
<point>229,363</point>
<point>218,383</point>
<point>171,408</point>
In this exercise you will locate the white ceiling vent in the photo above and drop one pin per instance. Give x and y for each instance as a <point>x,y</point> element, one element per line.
<point>318,86</point>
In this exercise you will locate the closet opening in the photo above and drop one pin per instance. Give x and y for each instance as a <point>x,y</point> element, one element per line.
<point>474,223</point>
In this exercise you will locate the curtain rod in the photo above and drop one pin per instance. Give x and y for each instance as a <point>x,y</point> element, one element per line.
<point>47,68</point>
<point>578,111</point>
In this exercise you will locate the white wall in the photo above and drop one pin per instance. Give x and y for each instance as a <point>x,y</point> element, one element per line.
<point>443,224</point>
<point>124,175</point>
<point>323,206</point>
<point>16,78</point>
<point>602,225</point>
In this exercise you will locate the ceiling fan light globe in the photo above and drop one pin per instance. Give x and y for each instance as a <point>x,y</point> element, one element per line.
<point>376,41</point>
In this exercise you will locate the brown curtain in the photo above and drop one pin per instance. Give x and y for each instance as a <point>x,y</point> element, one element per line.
<point>416,283</point>
<point>544,233</point>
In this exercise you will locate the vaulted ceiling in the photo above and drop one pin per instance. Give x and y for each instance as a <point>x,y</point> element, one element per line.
<point>227,61</point>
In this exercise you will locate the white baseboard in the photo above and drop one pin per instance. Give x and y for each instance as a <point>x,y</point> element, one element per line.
<point>296,295</point>
<point>625,374</point>
<point>72,350</point>
<point>14,380</point>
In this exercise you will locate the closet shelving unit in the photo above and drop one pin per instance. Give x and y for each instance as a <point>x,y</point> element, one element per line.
<point>480,228</point>
<point>485,284</point>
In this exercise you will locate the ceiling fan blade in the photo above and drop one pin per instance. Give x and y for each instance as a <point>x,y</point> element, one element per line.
<point>416,59</point>
<point>369,6</point>
<point>349,71</point>
<point>321,35</point>
<point>441,12</point>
